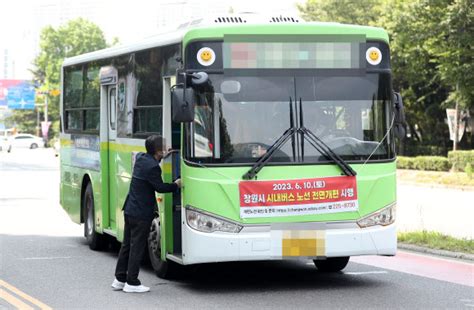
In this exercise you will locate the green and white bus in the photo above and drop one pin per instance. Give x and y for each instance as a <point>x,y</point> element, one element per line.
<point>281,131</point>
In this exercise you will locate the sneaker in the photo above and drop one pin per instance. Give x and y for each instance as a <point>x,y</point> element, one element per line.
<point>135,288</point>
<point>117,285</point>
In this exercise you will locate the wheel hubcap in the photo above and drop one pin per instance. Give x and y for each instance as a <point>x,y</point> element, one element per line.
<point>154,240</point>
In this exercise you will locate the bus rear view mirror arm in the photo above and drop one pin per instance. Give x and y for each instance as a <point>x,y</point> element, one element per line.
<point>399,121</point>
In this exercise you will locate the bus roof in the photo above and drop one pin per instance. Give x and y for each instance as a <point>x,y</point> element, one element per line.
<point>150,42</point>
<point>217,31</point>
<point>310,28</point>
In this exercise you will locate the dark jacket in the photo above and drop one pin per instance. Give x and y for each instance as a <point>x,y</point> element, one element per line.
<point>146,179</point>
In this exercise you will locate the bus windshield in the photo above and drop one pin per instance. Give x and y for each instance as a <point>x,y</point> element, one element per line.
<point>237,118</point>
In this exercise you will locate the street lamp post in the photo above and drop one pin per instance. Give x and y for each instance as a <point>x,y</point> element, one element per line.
<point>45,124</point>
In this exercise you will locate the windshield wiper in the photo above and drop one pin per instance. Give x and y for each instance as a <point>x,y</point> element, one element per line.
<point>289,133</point>
<point>306,134</point>
<point>322,147</point>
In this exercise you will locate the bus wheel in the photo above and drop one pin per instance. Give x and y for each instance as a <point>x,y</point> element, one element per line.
<point>163,269</point>
<point>331,264</point>
<point>95,240</point>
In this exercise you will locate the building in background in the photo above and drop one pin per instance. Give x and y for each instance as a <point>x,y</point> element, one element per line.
<point>7,64</point>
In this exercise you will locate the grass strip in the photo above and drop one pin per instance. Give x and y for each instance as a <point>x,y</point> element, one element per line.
<point>451,179</point>
<point>435,240</point>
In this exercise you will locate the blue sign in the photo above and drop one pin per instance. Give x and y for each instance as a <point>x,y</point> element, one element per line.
<point>17,94</point>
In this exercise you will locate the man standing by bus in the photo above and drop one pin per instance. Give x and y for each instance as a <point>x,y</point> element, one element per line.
<point>139,212</point>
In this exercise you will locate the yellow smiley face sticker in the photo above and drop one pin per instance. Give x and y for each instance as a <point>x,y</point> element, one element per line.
<point>206,56</point>
<point>373,56</point>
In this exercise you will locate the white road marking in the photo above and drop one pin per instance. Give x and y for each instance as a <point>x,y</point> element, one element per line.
<point>52,257</point>
<point>366,272</point>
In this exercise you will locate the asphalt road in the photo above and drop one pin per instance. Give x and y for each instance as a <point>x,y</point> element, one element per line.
<point>44,262</point>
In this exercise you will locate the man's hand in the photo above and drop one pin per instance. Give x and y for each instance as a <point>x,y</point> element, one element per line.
<point>178,182</point>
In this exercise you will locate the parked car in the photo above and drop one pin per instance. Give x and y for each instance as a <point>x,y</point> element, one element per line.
<point>24,141</point>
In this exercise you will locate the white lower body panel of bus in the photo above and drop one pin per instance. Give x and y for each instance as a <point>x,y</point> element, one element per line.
<point>265,242</point>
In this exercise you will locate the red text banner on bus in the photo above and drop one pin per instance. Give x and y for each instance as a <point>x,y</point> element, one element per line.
<point>298,197</point>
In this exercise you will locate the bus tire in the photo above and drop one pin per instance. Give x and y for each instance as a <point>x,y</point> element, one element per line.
<point>95,240</point>
<point>331,264</point>
<point>163,269</point>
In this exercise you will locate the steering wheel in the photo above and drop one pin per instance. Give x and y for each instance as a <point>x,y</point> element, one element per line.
<point>250,149</point>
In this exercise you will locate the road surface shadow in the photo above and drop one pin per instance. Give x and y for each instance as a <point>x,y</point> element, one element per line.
<point>220,278</point>
<point>268,276</point>
<point>231,277</point>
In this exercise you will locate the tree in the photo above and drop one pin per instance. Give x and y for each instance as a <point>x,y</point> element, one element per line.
<point>412,25</point>
<point>432,59</point>
<point>431,56</point>
<point>454,49</point>
<point>357,12</point>
<point>77,37</point>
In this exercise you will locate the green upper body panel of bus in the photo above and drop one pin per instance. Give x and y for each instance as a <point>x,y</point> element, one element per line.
<point>332,79</point>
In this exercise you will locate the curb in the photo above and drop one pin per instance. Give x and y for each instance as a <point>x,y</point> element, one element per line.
<point>421,249</point>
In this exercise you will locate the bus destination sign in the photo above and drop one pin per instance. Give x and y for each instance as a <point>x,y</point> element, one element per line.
<point>298,197</point>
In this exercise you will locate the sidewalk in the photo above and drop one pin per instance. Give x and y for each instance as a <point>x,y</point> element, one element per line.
<point>448,211</point>
<point>436,252</point>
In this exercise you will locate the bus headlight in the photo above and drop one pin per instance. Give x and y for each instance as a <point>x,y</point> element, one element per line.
<point>384,217</point>
<point>207,223</point>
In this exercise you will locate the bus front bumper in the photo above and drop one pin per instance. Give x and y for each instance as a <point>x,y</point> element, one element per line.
<point>266,242</point>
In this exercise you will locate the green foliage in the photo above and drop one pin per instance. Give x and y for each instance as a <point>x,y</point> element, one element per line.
<point>416,149</point>
<point>431,54</point>
<point>343,11</point>
<point>432,163</point>
<point>437,240</point>
<point>468,170</point>
<point>77,37</point>
<point>23,120</point>
<point>453,46</point>
<point>459,159</point>
<point>405,162</point>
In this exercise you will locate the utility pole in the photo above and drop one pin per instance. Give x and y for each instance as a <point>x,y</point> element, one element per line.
<point>37,120</point>
<point>45,124</point>
<point>46,108</point>
<point>456,122</point>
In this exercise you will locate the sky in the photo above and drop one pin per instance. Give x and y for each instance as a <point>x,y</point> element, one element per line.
<point>22,20</point>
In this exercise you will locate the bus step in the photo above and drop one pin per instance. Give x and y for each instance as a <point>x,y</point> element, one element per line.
<point>177,258</point>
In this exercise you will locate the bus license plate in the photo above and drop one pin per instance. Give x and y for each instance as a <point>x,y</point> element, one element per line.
<point>303,243</point>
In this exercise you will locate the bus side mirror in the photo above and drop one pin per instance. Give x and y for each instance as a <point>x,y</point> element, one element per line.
<point>399,122</point>
<point>182,104</point>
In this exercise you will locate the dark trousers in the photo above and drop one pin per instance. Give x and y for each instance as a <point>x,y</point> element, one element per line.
<point>131,252</point>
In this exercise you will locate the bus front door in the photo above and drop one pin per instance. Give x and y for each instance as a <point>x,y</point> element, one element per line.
<point>112,155</point>
<point>171,171</point>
